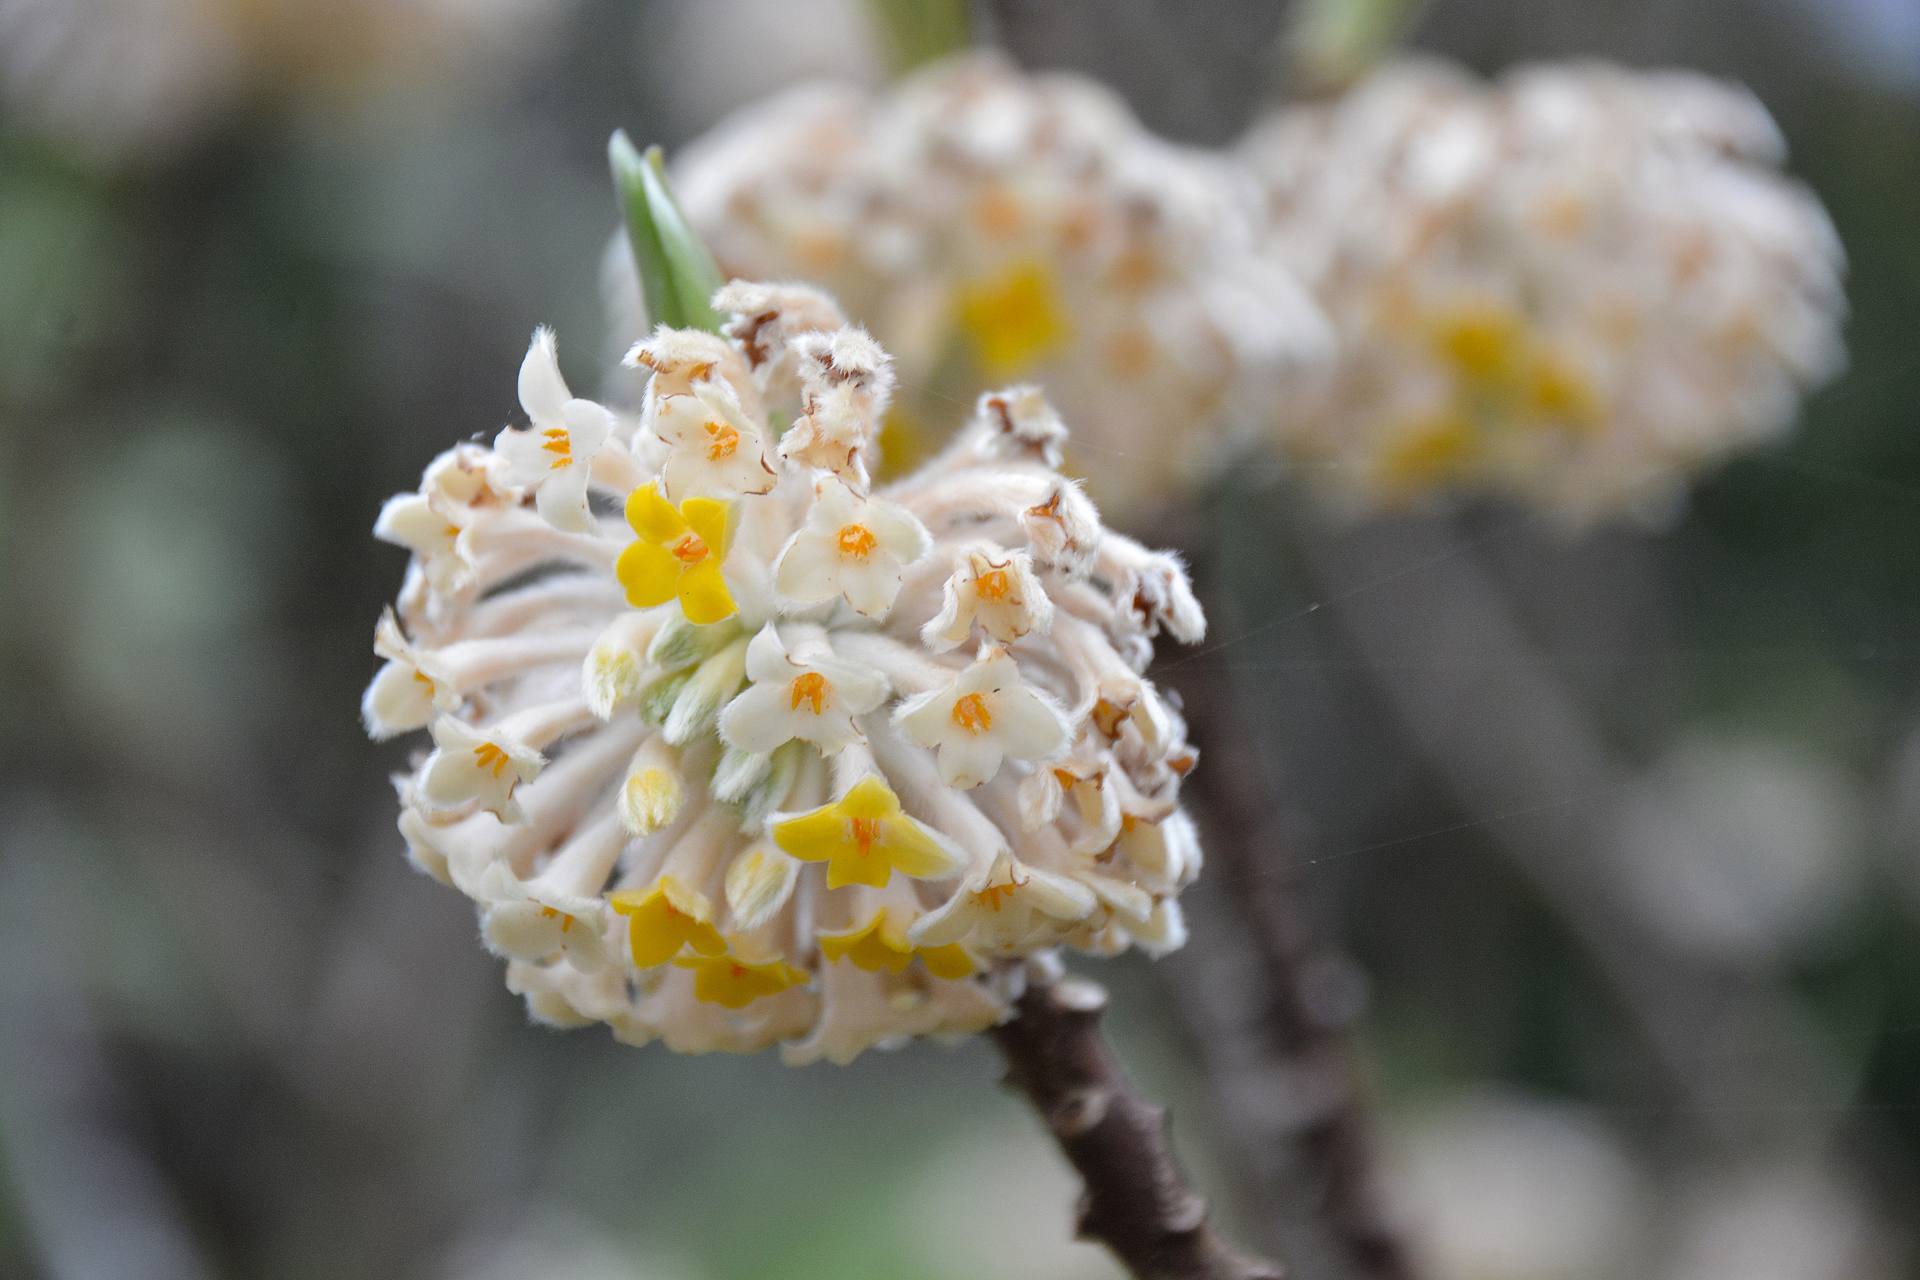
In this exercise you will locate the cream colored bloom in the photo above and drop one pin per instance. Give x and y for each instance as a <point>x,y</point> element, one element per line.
<point>854,547</point>
<point>986,715</point>
<point>1577,286</point>
<point>553,457</point>
<point>809,695</point>
<point>989,226</point>
<point>720,773</point>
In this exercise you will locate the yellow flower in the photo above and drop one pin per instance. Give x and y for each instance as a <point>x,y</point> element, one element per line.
<point>1430,452</point>
<point>864,837</point>
<point>882,943</point>
<point>665,918</point>
<point>678,554</point>
<point>730,981</point>
<point>1014,319</point>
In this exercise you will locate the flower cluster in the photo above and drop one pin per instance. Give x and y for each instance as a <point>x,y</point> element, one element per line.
<point>1575,286</point>
<point>734,748</point>
<point>988,225</point>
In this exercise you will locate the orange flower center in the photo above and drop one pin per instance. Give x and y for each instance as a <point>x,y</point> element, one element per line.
<point>809,687</point>
<point>993,585</point>
<point>560,445</point>
<point>491,758</point>
<point>723,441</point>
<point>856,541</point>
<point>865,832</point>
<point>689,550</point>
<point>970,713</point>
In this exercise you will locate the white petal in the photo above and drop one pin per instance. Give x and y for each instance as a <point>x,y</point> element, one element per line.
<point>543,392</point>
<point>395,702</point>
<point>807,569</point>
<point>590,425</point>
<point>562,499</point>
<point>871,585</point>
<point>1029,727</point>
<point>967,759</point>
<point>760,718</point>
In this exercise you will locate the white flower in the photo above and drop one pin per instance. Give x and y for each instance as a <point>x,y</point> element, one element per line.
<point>697,801</point>
<point>713,449</point>
<point>996,589</point>
<point>810,695</point>
<point>851,546</point>
<point>473,768</point>
<point>553,457</point>
<point>526,923</point>
<point>984,716</point>
<point>408,689</point>
<point>1004,906</point>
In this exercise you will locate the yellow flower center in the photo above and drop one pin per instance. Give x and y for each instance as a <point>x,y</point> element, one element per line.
<point>809,687</point>
<point>970,713</point>
<point>993,585</point>
<point>856,541</point>
<point>566,921</point>
<point>690,549</point>
<point>865,832</point>
<point>723,441</point>
<point>560,445</point>
<point>491,758</point>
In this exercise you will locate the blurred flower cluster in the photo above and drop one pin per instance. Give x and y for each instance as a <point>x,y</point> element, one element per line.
<point>1576,286</point>
<point>820,755</point>
<point>988,224</point>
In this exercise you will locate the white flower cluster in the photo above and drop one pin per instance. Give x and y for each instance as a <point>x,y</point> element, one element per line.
<point>988,225</point>
<point>733,748</point>
<point>1576,286</point>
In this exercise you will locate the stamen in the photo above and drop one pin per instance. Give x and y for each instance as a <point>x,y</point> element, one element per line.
<point>856,541</point>
<point>809,687</point>
<point>970,713</point>
<point>560,444</point>
<point>724,441</point>
<point>993,585</point>
<point>865,832</point>
<point>491,758</point>
<point>690,549</point>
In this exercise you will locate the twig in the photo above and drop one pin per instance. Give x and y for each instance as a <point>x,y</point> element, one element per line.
<point>1136,1199</point>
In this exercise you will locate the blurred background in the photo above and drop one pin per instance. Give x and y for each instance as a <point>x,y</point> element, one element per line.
<point>1607,840</point>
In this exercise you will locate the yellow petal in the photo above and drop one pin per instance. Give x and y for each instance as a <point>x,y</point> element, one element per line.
<point>870,946</point>
<point>736,984</point>
<point>950,961</point>
<point>708,518</point>
<point>869,798</point>
<point>813,837</point>
<point>850,865</point>
<point>912,850</point>
<point>652,517</point>
<point>1013,320</point>
<point>703,592</point>
<point>650,574</point>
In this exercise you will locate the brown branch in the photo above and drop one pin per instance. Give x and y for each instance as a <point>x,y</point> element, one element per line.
<point>1136,1199</point>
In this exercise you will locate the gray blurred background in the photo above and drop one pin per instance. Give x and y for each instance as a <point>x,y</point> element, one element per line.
<point>1615,835</point>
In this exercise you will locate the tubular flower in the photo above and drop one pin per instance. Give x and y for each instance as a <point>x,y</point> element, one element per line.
<point>717,770</point>
<point>1575,286</point>
<point>991,226</point>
